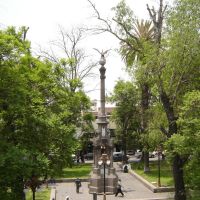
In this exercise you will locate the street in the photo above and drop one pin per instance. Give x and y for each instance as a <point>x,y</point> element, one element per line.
<point>132,188</point>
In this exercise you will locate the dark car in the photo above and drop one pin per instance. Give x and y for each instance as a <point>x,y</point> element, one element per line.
<point>130,152</point>
<point>117,156</point>
<point>89,156</point>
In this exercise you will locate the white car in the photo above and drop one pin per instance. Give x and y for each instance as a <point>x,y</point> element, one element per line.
<point>138,154</point>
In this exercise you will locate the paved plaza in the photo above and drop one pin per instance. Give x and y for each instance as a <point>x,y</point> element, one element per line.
<point>132,188</point>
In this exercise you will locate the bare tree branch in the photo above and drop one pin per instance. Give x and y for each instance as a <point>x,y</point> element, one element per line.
<point>49,56</point>
<point>157,18</point>
<point>108,28</point>
<point>125,29</point>
<point>75,62</point>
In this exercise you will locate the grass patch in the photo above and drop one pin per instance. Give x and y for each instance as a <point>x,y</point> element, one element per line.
<point>166,177</point>
<point>43,194</point>
<point>80,171</point>
<point>193,195</point>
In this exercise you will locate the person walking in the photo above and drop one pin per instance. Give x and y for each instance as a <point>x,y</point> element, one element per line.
<point>119,188</point>
<point>78,184</point>
<point>125,168</point>
<point>67,197</point>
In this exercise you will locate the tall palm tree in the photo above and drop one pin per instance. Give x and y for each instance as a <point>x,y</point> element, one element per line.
<point>133,36</point>
<point>143,33</point>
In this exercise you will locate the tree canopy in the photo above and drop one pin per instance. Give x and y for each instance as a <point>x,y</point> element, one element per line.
<point>38,116</point>
<point>162,56</point>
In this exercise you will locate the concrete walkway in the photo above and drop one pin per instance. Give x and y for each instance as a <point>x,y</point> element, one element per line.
<point>132,188</point>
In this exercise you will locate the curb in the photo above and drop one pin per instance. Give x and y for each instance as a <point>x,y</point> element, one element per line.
<point>161,198</point>
<point>68,180</point>
<point>53,194</point>
<point>150,186</point>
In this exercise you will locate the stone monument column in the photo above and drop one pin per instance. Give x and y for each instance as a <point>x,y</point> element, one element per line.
<point>102,145</point>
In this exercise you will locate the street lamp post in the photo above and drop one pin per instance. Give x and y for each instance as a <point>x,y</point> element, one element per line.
<point>104,161</point>
<point>159,152</point>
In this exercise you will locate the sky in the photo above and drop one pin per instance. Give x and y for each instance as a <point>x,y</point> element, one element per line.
<point>43,17</point>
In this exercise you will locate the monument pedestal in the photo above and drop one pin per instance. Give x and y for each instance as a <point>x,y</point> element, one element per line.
<point>96,184</point>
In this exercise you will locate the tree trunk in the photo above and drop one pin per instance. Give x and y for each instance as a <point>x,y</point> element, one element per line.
<point>146,162</point>
<point>124,138</point>
<point>33,192</point>
<point>180,193</point>
<point>169,110</point>
<point>144,104</point>
<point>145,96</point>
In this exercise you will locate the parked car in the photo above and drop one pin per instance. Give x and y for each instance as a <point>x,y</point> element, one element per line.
<point>89,156</point>
<point>151,155</point>
<point>138,153</point>
<point>162,154</point>
<point>73,157</point>
<point>117,156</point>
<point>130,152</point>
<point>155,153</point>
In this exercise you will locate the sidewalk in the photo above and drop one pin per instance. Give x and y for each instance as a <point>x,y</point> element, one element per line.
<point>132,188</point>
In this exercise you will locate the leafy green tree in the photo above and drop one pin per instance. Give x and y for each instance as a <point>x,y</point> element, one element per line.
<point>87,130</point>
<point>126,114</point>
<point>38,116</point>
<point>139,34</point>
<point>13,47</point>
<point>172,61</point>
<point>156,137</point>
<point>74,67</point>
<point>186,142</point>
<point>176,72</point>
<point>189,122</point>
